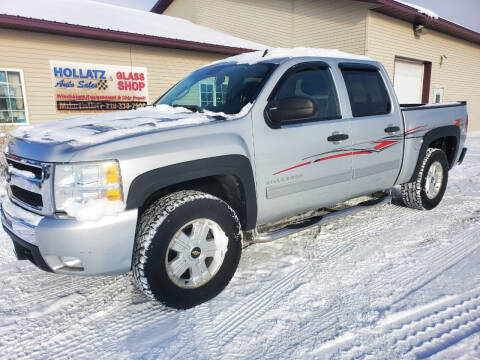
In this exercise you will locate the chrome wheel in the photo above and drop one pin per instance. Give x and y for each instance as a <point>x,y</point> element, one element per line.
<point>196,253</point>
<point>434,179</point>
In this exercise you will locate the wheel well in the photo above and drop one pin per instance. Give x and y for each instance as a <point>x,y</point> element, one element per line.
<point>449,146</point>
<point>226,187</point>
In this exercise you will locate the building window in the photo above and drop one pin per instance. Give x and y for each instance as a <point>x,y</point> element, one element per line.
<point>206,95</point>
<point>212,94</point>
<point>220,93</point>
<point>13,109</point>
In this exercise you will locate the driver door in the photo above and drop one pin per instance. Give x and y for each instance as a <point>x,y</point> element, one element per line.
<point>302,159</point>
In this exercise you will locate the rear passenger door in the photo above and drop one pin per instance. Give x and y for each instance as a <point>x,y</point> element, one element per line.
<point>377,128</point>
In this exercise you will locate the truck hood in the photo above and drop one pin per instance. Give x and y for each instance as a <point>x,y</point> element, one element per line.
<point>59,140</point>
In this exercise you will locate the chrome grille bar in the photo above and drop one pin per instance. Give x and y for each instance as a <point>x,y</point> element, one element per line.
<point>20,185</point>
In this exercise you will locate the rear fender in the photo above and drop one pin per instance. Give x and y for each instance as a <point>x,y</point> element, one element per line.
<point>430,137</point>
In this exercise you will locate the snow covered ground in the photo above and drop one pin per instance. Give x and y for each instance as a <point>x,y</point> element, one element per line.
<point>387,283</point>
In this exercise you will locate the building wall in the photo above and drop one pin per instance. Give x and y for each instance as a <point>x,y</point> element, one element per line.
<point>337,24</point>
<point>458,75</point>
<point>270,22</point>
<point>187,9</point>
<point>32,53</point>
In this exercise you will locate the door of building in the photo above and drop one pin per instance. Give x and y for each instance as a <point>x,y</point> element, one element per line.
<point>408,81</point>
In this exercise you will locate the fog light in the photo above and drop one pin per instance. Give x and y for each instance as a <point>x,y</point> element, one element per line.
<point>71,262</point>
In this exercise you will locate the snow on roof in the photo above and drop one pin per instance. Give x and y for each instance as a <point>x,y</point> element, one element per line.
<point>420,9</point>
<point>111,17</point>
<point>281,53</point>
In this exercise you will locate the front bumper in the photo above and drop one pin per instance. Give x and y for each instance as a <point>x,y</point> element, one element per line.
<point>104,247</point>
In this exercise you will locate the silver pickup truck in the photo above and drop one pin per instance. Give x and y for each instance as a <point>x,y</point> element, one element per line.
<point>249,149</point>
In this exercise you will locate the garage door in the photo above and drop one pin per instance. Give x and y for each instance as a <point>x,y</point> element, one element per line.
<point>408,81</point>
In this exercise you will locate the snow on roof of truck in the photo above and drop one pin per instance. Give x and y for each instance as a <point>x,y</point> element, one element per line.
<point>271,54</point>
<point>107,17</point>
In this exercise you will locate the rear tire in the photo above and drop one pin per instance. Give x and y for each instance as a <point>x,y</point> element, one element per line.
<point>188,247</point>
<point>426,192</point>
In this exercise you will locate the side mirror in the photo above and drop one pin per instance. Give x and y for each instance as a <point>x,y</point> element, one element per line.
<point>291,108</point>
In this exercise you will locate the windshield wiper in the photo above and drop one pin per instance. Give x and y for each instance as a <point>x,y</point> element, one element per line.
<point>193,108</point>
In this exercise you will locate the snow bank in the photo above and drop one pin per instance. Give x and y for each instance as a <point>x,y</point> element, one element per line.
<point>420,9</point>
<point>111,17</point>
<point>94,209</point>
<point>280,53</point>
<point>95,129</point>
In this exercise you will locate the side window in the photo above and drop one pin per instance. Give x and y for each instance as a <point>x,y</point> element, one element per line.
<point>367,92</point>
<point>314,83</point>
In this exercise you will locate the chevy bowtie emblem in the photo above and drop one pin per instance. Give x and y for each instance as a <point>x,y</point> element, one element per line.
<point>195,253</point>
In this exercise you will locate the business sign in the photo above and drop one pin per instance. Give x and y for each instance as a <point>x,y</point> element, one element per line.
<point>95,87</point>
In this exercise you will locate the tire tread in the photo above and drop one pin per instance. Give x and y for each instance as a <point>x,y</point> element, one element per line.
<point>151,220</point>
<point>412,191</point>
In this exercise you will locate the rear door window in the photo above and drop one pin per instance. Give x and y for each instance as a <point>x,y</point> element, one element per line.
<point>367,92</point>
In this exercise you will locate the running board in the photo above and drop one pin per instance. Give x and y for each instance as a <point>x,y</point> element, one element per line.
<point>318,220</point>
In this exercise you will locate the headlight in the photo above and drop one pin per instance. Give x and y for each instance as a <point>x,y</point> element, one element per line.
<point>82,183</point>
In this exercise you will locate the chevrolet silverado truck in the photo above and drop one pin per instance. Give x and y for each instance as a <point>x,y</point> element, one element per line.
<point>248,149</point>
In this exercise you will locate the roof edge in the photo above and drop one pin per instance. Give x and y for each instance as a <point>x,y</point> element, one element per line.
<point>412,15</point>
<point>57,28</point>
<point>442,25</point>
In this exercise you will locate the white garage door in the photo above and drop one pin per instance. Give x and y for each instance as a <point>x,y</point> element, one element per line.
<point>408,81</point>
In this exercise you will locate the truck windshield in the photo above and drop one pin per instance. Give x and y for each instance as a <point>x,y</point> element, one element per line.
<point>223,88</point>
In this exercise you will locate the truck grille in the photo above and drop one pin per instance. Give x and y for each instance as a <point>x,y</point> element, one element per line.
<point>29,184</point>
<point>28,197</point>
<point>25,167</point>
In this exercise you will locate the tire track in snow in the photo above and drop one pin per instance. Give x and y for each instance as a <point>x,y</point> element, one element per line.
<point>417,333</point>
<point>407,277</point>
<point>120,324</point>
<point>444,260</point>
<point>71,335</point>
<point>255,305</point>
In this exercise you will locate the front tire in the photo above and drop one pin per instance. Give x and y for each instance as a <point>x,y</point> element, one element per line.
<point>426,192</point>
<point>188,247</point>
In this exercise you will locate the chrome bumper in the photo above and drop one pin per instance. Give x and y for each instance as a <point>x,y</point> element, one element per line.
<point>103,247</point>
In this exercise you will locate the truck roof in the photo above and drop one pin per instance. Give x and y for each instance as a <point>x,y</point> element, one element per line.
<point>280,55</point>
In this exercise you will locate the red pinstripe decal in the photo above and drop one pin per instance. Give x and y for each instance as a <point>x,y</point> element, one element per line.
<point>293,167</point>
<point>382,144</point>
<point>345,154</point>
<point>411,130</point>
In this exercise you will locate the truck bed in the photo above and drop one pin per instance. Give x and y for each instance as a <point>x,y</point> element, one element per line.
<point>410,107</point>
<point>420,120</point>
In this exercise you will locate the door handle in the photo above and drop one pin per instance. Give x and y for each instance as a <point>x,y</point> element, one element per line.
<point>337,137</point>
<point>392,129</point>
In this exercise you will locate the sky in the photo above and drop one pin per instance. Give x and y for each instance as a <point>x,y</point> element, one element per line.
<point>463,12</point>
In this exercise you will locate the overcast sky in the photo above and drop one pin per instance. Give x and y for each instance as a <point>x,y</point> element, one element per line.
<point>463,12</point>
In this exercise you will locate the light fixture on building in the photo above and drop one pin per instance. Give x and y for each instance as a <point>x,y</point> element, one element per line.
<point>417,29</point>
<point>442,59</point>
